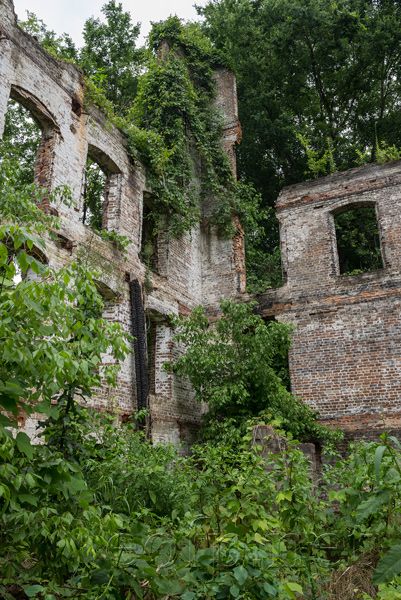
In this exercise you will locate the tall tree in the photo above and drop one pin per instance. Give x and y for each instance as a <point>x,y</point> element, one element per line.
<point>110,55</point>
<point>314,73</point>
<point>61,46</point>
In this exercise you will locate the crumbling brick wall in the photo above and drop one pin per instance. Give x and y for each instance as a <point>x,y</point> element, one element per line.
<point>345,358</point>
<point>199,268</point>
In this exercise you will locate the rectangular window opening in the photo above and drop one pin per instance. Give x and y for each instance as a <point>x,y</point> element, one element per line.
<point>151,332</point>
<point>281,363</point>
<point>149,241</point>
<point>358,240</point>
<point>96,182</point>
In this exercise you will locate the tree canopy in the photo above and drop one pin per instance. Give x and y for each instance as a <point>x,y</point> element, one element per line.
<point>313,75</point>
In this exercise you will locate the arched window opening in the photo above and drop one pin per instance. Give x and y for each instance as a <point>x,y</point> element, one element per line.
<point>22,138</point>
<point>109,296</point>
<point>99,191</point>
<point>358,240</point>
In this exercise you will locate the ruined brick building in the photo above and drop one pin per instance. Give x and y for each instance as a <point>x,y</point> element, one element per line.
<point>345,358</point>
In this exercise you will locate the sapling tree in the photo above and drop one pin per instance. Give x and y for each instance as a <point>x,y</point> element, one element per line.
<point>52,331</point>
<point>237,366</point>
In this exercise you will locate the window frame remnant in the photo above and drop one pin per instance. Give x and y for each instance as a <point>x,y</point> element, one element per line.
<point>42,166</point>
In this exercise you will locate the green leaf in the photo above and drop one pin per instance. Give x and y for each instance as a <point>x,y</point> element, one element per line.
<point>395,441</point>
<point>24,444</point>
<point>100,577</point>
<point>240,574</point>
<point>9,404</point>
<point>76,484</point>
<point>294,587</point>
<point>389,566</point>
<point>380,450</point>
<point>371,505</point>
<point>234,591</point>
<point>270,589</point>
<point>28,498</point>
<point>13,388</point>
<point>3,254</point>
<point>5,421</point>
<point>33,590</point>
<point>168,586</point>
<point>23,261</point>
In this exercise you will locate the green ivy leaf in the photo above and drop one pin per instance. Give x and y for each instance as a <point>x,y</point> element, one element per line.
<point>371,505</point>
<point>24,444</point>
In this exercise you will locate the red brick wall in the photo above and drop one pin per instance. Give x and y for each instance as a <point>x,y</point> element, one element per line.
<point>345,359</point>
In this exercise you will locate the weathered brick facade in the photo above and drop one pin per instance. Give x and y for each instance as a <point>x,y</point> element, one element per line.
<point>200,268</point>
<point>345,359</point>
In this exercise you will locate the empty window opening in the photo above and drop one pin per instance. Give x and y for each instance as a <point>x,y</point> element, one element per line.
<point>281,362</point>
<point>151,333</point>
<point>95,191</point>
<point>358,240</point>
<point>149,246</point>
<point>22,138</point>
<point>101,190</point>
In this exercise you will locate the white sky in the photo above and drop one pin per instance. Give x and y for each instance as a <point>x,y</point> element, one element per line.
<point>69,15</point>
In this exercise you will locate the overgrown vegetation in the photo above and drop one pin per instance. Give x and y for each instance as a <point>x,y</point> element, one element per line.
<point>121,518</point>
<point>97,512</point>
<point>167,114</point>
<point>325,72</point>
<point>21,139</point>
<point>52,331</point>
<point>358,240</point>
<point>238,367</point>
<point>305,108</point>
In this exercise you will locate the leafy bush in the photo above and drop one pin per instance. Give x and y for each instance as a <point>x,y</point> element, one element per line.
<point>52,327</point>
<point>123,518</point>
<point>238,366</point>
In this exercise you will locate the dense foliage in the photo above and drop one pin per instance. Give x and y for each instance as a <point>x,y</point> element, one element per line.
<point>358,240</point>
<point>110,57</point>
<point>121,519</point>
<point>21,140</point>
<point>317,79</point>
<point>318,87</point>
<point>52,331</point>
<point>97,512</point>
<point>167,113</point>
<point>238,367</point>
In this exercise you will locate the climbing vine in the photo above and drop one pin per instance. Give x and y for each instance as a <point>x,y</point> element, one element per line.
<point>175,129</point>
